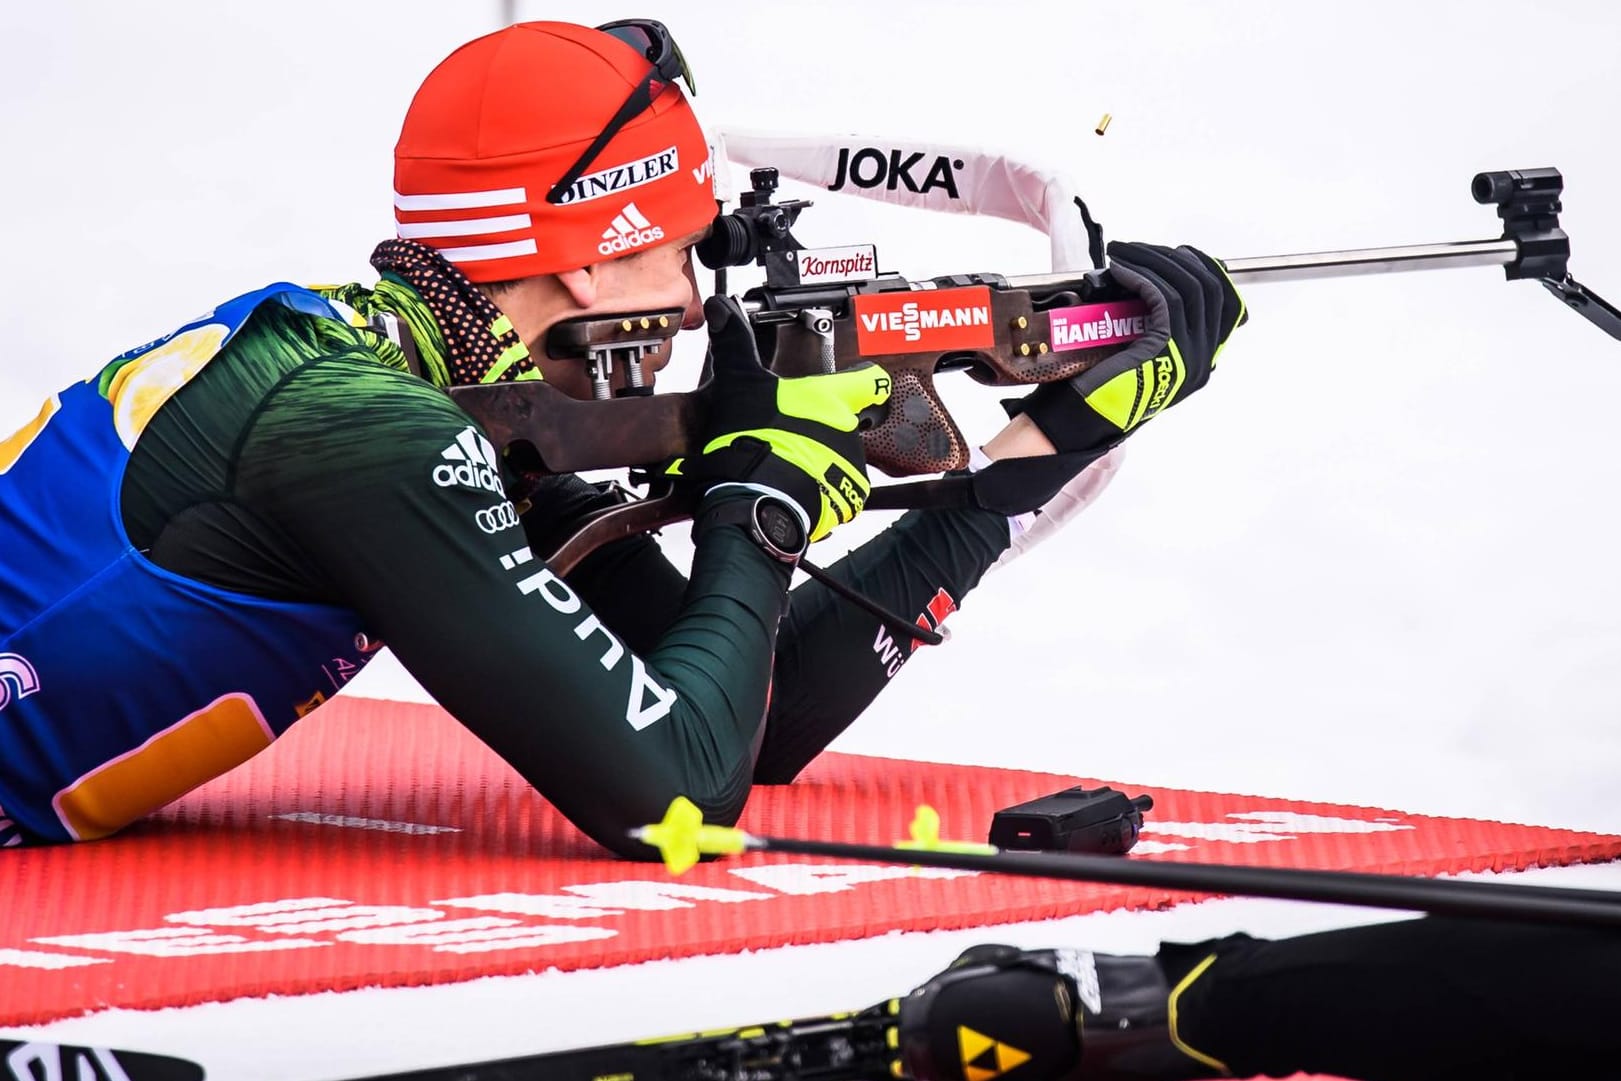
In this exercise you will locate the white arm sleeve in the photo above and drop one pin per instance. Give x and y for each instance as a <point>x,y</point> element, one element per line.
<point>1029,530</point>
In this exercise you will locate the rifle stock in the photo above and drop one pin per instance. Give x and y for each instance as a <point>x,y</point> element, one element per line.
<point>999,335</point>
<point>546,431</point>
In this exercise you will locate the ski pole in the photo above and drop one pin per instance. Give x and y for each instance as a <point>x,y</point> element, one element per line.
<point>682,837</point>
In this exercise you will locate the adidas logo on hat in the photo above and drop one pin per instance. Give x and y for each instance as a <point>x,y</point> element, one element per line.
<point>630,229</point>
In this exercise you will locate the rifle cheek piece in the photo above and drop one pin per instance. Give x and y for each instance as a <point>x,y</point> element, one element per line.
<point>602,340</point>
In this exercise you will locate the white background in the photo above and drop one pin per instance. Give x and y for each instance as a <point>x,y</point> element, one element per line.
<point>1373,562</point>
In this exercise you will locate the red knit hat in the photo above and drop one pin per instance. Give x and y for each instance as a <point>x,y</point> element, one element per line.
<point>497,124</point>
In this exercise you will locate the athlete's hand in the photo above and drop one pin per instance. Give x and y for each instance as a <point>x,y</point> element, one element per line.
<point>1192,308</point>
<point>799,436</point>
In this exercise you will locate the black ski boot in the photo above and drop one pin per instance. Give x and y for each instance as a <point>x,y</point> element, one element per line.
<point>1126,1032</point>
<point>1046,1015</point>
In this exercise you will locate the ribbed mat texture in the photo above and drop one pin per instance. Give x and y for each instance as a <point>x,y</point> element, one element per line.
<point>379,844</point>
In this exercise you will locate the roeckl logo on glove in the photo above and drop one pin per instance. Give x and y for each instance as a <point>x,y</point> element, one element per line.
<point>922,321</point>
<point>840,481</point>
<point>470,462</point>
<point>1165,379</point>
<point>870,167</point>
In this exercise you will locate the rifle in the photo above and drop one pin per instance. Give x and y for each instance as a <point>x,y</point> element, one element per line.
<point>821,310</point>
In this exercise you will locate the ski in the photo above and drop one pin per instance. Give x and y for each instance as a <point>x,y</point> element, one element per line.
<point>32,1060</point>
<point>860,1046</point>
<point>995,1009</point>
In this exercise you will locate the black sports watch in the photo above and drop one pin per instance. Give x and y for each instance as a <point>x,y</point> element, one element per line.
<point>770,521</point>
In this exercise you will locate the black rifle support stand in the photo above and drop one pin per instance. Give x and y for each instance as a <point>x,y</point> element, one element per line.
<point>1528,202</point>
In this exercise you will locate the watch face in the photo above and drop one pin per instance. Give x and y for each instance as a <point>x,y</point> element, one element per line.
<point>780,526</point>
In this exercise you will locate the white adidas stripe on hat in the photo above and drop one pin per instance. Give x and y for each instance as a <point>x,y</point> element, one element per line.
<point>476,226</point>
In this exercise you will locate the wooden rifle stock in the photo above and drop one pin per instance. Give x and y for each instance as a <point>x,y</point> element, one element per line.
<point>1000,335</point>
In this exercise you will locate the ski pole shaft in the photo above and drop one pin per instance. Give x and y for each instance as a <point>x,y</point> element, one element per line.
<point>1441,897</point>
<point>682,837</point>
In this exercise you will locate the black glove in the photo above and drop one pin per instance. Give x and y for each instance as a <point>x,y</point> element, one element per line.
<point>798,436</point>
<point>1192,308</point>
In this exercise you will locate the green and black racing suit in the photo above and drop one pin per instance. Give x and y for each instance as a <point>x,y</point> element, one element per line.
<point>306,463</point>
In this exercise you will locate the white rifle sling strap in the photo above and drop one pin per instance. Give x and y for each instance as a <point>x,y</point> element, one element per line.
<point>955,180</point>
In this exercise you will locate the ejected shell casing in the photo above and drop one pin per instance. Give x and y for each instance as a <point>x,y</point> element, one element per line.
<point>1103,124</point>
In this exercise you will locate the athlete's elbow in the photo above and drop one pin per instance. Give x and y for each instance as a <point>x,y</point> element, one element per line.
<point>615,829</point>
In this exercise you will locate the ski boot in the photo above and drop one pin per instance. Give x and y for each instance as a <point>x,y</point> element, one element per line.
<point>1046,1015</point>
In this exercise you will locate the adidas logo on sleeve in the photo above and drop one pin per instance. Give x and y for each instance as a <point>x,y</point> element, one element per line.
<point>470,462</point>
<point>630,229</point>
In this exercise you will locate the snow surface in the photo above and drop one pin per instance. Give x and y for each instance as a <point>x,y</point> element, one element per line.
<point>1372,563</point>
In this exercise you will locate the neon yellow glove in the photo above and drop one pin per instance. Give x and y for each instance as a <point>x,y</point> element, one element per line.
<point>798,436</point>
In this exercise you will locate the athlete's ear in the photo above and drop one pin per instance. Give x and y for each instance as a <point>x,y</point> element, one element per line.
<point>581,286</point>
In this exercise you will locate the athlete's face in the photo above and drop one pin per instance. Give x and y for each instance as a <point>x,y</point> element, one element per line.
<point>655,280</point>
<point>661,278</point>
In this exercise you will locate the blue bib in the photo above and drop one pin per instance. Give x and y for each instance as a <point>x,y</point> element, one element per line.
<point>123,686</point>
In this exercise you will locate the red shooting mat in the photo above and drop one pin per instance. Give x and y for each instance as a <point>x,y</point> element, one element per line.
<point>379,844</point>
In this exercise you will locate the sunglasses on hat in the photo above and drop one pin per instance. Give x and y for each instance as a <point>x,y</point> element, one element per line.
<point>652,40</point>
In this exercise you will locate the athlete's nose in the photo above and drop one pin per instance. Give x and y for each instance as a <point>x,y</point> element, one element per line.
<point>693,317</point>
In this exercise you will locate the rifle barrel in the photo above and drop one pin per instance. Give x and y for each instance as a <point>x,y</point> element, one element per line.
<point>1341,264</point>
